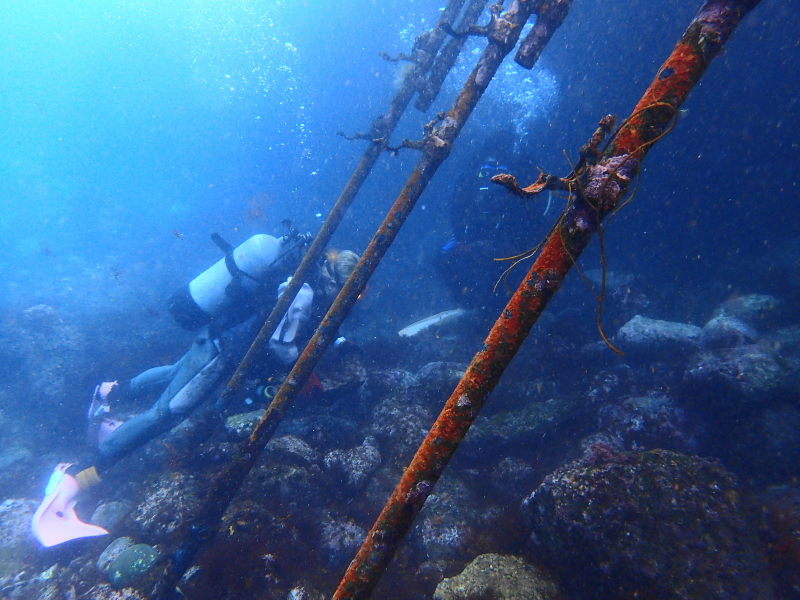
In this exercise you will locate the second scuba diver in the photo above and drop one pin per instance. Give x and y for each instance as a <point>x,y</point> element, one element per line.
<point>223,305</point>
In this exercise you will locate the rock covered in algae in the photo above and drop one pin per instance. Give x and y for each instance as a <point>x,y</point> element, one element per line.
<point>240,426</point>
<point>643,338</point>
<point>112,551</point>
<point>757,310</point>
<point>733,378</point>
<point>647,422</point>
<point>524,428</point>
<point>500,578</point>
<point>654,524</point>
<point>16,540</point>
<point>132,565</point>
<point>728,332</point>
<point>446,528</point>
<point>354,467</point>
<point>171,500</point>
<point>106,592</point>
<point>340,539</point>
<point>293,450</point>
<point>110,514</point>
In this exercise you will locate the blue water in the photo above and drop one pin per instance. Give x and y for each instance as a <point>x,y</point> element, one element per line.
<point>124,123</point>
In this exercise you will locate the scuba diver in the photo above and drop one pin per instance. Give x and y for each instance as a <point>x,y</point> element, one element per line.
<point>223,304</point>
<point>480,217</point>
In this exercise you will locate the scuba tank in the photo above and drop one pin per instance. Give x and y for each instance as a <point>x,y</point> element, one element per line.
<point>231,284</point>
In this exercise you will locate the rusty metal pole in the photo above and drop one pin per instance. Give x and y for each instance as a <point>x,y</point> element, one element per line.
<point>604,184</point>
<point>504,32</point>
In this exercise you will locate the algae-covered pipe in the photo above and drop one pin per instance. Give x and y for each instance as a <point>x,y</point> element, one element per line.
<point>423,54</point>
<point>447,57</point>
<point>604,184</point>
<point>505,30</point>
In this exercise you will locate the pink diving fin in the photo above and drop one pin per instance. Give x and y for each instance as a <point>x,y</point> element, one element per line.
<point>55,521</point>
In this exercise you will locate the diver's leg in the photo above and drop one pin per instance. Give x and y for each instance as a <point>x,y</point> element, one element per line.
<point>198,364</point>
<point>55,520</point>
<point>116,392</point>
<point>133,433</point>
<point>153,378</point>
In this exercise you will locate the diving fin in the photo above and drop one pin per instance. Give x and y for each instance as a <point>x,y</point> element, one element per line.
<point>55,521</point>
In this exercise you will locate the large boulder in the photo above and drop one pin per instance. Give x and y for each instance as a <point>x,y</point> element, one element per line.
<point>728,332</point>
<point>647,422</point>
<point>654,524</point>
<point>526,431</point>
<point>646,339</point>
<point>498,577</point>
<point>353,468</point>
<point>736,378</point>
<point>170,502</point>
<point>756,310</point>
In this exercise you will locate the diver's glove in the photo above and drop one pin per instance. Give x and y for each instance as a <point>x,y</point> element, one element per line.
<point>104,394</point>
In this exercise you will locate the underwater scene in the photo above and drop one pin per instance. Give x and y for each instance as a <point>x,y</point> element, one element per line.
<point>404,300</point>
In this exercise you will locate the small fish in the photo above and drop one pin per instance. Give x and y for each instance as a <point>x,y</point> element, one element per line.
<point>177,235</point>
<point>449,245</point>
<point>415,328</point>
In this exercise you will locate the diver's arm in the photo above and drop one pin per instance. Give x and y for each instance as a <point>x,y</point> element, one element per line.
<point>283,343</point>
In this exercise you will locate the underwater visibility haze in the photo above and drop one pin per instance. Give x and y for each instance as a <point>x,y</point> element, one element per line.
<point>131,131</point>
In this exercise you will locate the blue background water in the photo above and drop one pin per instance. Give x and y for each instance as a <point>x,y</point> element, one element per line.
<point>126,122</point>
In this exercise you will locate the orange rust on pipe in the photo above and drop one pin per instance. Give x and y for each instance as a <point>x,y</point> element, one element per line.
<point>701,42</point>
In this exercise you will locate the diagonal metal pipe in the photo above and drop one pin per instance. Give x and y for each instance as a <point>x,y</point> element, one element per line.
<point>603,183</point>
<point>425,50</point>
<point>447,57</point>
